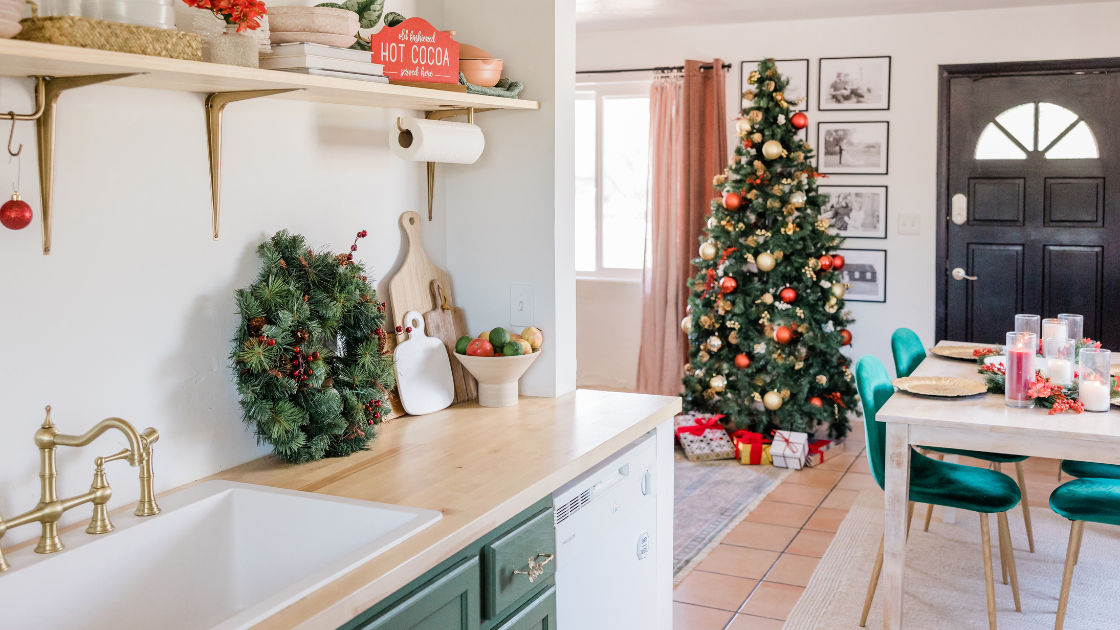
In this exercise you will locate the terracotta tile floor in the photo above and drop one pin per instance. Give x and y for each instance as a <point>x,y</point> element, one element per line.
<point>753,579</point>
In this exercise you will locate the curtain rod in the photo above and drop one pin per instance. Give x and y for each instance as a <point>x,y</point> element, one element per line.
<point>705,66</point>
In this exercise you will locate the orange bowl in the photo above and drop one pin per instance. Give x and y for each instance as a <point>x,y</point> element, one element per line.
<point>484,72</point>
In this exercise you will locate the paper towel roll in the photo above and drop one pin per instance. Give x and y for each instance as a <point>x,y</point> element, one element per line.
<point>436,141</point>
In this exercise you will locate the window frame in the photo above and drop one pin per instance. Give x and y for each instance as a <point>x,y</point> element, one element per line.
<point>603,90</point>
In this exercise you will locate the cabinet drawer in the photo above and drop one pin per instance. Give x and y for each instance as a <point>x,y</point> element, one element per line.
<point>534,540</point>
<point>539,614</point>
<point>449,602</point>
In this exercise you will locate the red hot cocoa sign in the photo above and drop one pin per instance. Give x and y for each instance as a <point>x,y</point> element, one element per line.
<point>416,51</point>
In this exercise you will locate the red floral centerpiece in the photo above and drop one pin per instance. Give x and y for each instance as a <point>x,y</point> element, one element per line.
<point>244,14</point>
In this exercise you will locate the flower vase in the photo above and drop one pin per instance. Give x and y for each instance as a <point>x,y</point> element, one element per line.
<point>234,49</point>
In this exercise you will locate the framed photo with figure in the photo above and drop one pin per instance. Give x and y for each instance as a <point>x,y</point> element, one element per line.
<point>852,148</point>
<point>851,83</point>
<point>866,271</point>
<point>796,70</point>
<point>855,211</point>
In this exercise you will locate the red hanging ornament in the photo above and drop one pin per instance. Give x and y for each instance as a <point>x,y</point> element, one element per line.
<point>837,262</point>
<point>742,361</point>
<point>727,284</point>
<point>783,335</point>
<point>732,201</point>
<point>15,214</point>
<point>788,295</point>
<point>799,120</point>
<point>826,262</point>
<point>845,337</point>
<point>816,402</point>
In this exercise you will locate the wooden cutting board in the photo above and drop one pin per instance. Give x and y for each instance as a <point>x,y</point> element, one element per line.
<point>423,370</point>
<point>410,289</point>
<point>448,323</point>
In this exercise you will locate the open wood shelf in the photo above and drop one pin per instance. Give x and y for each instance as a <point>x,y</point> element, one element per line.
<point>29,59</point>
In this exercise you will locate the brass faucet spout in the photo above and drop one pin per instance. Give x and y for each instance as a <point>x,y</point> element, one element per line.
<point>136,445</point>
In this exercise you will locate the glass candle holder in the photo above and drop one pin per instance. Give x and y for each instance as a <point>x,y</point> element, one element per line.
<point>1094,384</point>
<point>1075,325</point>
<point>1021,348</point>
<point>1054,328</point>
<point>1029,323</point>
<point>1058,353</point>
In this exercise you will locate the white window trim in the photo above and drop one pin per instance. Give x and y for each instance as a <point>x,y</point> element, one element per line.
<point>603,90</point>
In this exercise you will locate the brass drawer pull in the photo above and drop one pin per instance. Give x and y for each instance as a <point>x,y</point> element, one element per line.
<point>536,569</point>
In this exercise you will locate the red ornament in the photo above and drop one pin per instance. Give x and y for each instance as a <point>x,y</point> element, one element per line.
<point>727,284</point>
<point>15,214</point>
<point>732,201</point>
<point>845,337</point>
<point>377,403</point>
<point>376,414</point>
<point>826,262</point>
<point>742,361</point>
<point>787,295</point>
<point>315,356</point>
<point>271,342</point>
<point>783,335</point>
<point>799,120</point>
<point>369,422</point>
<point>837,262</point>
<point>816,402</point>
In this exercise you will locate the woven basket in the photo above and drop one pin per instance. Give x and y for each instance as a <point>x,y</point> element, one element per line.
<point>67,30</point>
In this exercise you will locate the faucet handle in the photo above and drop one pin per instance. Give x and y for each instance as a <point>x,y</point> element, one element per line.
<point>100,523</point>
<point>125,454</point>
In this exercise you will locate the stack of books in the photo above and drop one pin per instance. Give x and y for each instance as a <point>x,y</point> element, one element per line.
<point>327,61</point>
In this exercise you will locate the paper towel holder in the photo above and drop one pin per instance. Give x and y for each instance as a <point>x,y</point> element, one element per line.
<point>434,115</point>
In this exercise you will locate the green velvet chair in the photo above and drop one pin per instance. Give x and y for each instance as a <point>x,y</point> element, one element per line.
<point>1090,470</point>
<point>908,353</point>
<point>1081,500</point>
<point>938,483</point>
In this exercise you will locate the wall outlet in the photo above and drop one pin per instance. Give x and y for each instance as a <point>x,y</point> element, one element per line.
<point>521,304</point>
<point>909,223</point>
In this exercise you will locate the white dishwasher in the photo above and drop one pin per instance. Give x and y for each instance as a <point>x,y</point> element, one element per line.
<point>606,543</point>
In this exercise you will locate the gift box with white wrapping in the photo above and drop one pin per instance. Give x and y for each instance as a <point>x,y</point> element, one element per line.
<point>704,439</point>
<point>790,448</point>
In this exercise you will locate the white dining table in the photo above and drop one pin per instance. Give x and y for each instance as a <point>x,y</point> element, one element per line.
<point>980,423</point>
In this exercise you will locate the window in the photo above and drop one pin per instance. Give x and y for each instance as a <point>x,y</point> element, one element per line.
<point>612,178</point>
<point>1046,128</point>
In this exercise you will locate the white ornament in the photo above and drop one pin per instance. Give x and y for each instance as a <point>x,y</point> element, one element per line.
<point>718,382</point>
<point>797,199</point>
<point>686,324</point>
<point>715,343</point>
<point>781,119</point>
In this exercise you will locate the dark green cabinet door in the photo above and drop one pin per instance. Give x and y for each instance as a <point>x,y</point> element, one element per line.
<point>532,541</point>
<point>539,614</point>
<point>449,602</point>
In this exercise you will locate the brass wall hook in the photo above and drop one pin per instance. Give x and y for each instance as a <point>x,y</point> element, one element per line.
<point>11,135</point>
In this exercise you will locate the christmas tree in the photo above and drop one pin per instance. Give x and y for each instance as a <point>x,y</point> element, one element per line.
<point>766,317</point>
<point>307,354</point>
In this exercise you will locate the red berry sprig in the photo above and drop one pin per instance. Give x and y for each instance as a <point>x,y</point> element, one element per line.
<point>354,247</point>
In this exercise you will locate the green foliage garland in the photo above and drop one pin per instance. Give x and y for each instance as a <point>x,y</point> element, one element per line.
<point>809,372</point>
<point>306,355</point>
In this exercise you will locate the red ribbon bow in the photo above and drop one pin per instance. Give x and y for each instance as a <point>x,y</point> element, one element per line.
<point>787,445</point>
<point>750,439</point>
<point>701,426</point>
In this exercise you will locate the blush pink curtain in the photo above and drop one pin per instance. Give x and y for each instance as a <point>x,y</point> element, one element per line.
<point>688,146</point>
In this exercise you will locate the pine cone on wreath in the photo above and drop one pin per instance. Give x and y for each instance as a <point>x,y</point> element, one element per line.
<point>256,326</point>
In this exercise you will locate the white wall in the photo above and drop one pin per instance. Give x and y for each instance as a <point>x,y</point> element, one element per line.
<point>609,320</point>
<point>917,44</point>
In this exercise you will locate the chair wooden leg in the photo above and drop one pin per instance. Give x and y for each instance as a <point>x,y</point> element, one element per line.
<point>1075,531</point>
<point>873,584</point>
<point>1004,542</point>
<point>929,510</point>
<point>1010,559</point>
<point>1026,504</point>
<point>1077,549</point>
<point>989,577</point>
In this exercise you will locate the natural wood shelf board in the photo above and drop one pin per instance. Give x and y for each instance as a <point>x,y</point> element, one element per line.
<point>26,59</point>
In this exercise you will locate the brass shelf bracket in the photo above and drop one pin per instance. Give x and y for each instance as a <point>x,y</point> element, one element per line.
<point>215,105</point>
<point>440,114</point>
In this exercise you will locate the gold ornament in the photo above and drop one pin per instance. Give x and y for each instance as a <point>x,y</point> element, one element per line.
<point>703,356</point>
<point>714,343</point>
<point>748,95</point>
<point>765,261</point>
<point>797,156</point>
<point>753,77</point>
<point>708,250</point>
<point>742,127</point>
<point>780,99</point>
<point>756,138</point>
<point>838,290</point>
<point>755,116</point>
<point>822,379</point>
<point>831,300</point>
<point>719,180</point>
<point>718,382</point>
<point>706,321</point>
<point>686,325</point>
<point>752,241</point>
<point>772,150</point>
<point>767,298</point>
<point>699,373</point>
<point>772,400</point>
<point>770,85</point>
<point>797,199</point>
<point>733,338</point>
<point>822,225</point>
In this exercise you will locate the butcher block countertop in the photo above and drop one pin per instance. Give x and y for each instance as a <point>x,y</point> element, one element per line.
<point>478,466</point>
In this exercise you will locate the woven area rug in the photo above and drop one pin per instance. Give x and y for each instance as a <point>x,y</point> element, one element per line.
<point>710,499</point>
<point>945,575</point>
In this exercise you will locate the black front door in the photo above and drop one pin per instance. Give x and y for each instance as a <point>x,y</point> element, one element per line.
<point>1033,216</point>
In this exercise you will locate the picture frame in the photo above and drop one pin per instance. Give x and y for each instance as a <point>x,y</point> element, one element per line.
<point>798,72</point>
<point>854,83</point>
<point>855,211</point>
<point>853,148</point>
<point>866,271</point>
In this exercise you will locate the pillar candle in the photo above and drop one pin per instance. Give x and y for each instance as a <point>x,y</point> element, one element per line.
<point>1020,373</point>
<point>1053,328</point>
<point>1094,395</point>
<point>1060,371</point>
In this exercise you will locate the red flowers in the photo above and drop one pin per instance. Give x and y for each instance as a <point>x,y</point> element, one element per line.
<point>246,14</point>
<point>1052,395</point>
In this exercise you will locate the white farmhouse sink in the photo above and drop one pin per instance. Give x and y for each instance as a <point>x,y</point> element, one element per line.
<point>221,555</point>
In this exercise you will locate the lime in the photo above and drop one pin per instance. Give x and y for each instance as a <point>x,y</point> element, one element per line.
<point>499,337</point>
<point>513,349</point>
<point>461,344</point>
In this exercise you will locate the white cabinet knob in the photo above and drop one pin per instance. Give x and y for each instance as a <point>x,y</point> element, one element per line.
<point>959,274</point>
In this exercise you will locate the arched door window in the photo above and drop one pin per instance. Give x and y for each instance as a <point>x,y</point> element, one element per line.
<point>1046,128</point>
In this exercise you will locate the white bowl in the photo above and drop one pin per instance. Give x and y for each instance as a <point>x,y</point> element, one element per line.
<point>312,20</point>
<point>326,39</point>
<point>10,14</point>
<point>139,13</point>
<point>497,376</point>
<point>9,29</point>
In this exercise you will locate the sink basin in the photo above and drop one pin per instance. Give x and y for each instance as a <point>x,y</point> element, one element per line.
<point>221,555</point>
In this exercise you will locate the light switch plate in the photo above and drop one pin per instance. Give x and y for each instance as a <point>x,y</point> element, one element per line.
<point>909,223</point>
<point>521,304</point>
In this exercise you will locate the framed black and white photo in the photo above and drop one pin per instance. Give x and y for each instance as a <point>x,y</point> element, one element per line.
<point>796,70</point>
<point>852,148</point>
<point>855,211</point>
<point>849,83</point>
<point>866,271</point>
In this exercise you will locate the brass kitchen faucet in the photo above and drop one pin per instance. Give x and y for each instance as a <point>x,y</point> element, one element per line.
<point>51,508</point>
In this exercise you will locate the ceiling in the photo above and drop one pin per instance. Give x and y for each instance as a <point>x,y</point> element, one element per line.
<point>629,14</point>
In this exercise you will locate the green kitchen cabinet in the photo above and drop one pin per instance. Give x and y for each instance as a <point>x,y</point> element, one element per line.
<point>449,602</point>
<point>538,614</point>
<point>507,561</point>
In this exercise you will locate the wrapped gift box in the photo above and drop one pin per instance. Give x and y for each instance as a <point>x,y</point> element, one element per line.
<point>821,449</point>
<point>751,449</point>
<point>704,439</point>
<point>790,449</point>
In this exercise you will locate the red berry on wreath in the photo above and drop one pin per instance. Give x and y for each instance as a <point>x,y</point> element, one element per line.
<point>845,337</point>
<point>783,335</point>
<point>727,284</point>
<point>732,201</point>
<point>788,295</point>
<point>310,371</point>
<point>408,329</point>
<point>399,329</point>
<point>742,361</point>
<point>816,402</point>
<point>378,332</point>
<point>296,350</point>
<point>271,342</point>
<point>826,262</point>
<point>315,356</point>
<point>353,248</point>
<point>369,422</point>
<point>799,120</point>
<point>837,262</point>
<point>262,339</point>
<point>349,256</point>
<point>377,403</point>
<point>376,414</point>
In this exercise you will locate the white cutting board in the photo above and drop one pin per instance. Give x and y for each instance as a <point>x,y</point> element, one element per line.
<point>424,378</point>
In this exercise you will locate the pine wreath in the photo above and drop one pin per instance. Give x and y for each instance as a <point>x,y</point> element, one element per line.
<point>306,355</point>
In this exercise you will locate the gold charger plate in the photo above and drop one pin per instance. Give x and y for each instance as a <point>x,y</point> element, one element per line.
<point>940,386</point>
<point>963,353</point>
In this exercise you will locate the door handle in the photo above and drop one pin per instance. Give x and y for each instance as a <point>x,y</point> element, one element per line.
<point>959,274</point>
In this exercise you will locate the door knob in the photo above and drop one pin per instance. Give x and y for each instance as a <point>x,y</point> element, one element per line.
<point>959,274</point>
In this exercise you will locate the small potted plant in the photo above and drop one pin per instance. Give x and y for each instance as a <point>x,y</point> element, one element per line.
<point>234,47</point>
